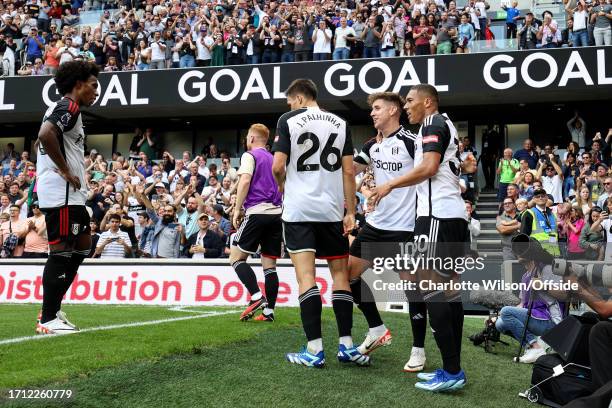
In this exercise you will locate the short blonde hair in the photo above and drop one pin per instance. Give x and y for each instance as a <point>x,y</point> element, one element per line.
<point>260,129</point>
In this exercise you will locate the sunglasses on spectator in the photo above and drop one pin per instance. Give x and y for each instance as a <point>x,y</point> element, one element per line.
<point>508,203</point>
<point>540,196</point>
<point>606,184</point>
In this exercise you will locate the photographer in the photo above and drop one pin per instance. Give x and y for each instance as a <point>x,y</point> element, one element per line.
<point>546,311</point>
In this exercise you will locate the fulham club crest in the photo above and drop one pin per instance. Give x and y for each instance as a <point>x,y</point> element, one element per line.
<point>75,229</point>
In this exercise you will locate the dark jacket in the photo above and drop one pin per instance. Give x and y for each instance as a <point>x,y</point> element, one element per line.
<point>213,244</point>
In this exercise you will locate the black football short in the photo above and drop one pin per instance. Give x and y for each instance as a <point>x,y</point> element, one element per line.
<point>442,239</point>
<point>325,239</point>
<point>373,242</point>
<point>260,231</point>
<point>64,224</point>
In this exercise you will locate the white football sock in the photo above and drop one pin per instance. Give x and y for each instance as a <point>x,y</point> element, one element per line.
<point>256,296</point>
<point>347,341</point>
<point>314,346</point>
<point>267,311</point>
<point>378,330</point>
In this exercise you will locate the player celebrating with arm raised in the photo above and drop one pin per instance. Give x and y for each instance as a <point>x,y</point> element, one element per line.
<point>63,190</point>
<point>313,157</point>
<point>392,222</point>
<point>441,227</point>
<point>258,192</point>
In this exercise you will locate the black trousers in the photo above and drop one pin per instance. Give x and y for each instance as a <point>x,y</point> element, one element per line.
<point>600,350</point>
<point>488,168</point>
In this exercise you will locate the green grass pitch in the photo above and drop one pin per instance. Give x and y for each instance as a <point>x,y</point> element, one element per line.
<point>218,361</point>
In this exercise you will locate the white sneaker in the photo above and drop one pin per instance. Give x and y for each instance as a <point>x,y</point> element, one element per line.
<point>371,342</point>
<point>531,355</point>
<point>417,360</point>
<point>59,325</point>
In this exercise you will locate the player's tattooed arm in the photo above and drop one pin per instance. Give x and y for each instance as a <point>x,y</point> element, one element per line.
<point>48,136</point>
<point>426,169</point>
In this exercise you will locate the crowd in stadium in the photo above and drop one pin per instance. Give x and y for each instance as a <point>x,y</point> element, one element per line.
<point>131,194</point>
<point>156,34</point>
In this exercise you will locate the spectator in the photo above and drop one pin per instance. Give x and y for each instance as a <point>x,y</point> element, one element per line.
<point>595,181</point>
<point>512,15</point>
<point>583,200</point>
<point>601,15</point>
<point>95,236</point>
<point>528,33</point>
<point>147,145</point>
<point>342,37</point>
<point>67,52</point>
<point>552,181</point>
<point>508,225</point>
<point>147,229</point>
<point>15,227</point>
<point>570,173</point>
<point>188,216</point>
<point>227,171</point>
<point>194,174</point>
<point>168,236</point>
<point>220,224</point>
<point>303,47</point>
<point>576,127</point>
<point>574,226</point>
<point>527,153</point>
<point>473,225</point>
<point>465,35</point>
<point>521,206</point>
<point>549,35</point>
<point>592,236</point>
<point>371,36</point>
<point>388,41</point>
<point>287,43</point>
<point>34,45</point>
<point>507,169</point>
<point>580,16</point>
<point>606,226</point>
<point>446,31</point>
<point>204,243</point>
<point>114,243</point>
<point>526,187</point>
<point>321,38</point>
<point>36,243</point>
<point>158,52</point>
<point>607,193</point>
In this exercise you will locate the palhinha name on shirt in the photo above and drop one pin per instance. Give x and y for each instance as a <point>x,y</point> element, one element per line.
<point>318,116</point>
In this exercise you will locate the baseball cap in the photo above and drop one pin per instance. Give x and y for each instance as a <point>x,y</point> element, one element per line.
<point>202,216</point>
<point>539,191</point>
<point>160,185</point>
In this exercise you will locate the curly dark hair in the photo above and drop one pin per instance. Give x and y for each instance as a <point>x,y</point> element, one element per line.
<point>69,73</point>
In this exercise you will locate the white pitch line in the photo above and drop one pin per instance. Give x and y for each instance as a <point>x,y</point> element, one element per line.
<point>118,326</point>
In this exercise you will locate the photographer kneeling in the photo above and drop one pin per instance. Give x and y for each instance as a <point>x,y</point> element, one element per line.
<point>546,312</point>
